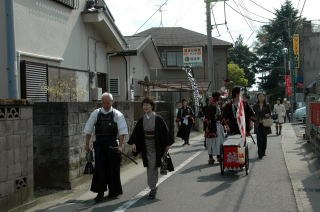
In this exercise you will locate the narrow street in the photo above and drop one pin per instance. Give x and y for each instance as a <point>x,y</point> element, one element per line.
<point>196,186</point>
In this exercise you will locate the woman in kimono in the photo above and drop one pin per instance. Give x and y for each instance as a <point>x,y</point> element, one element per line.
<point>262,111</point>
<point>150,137</point>
<point>185,121</point>
<point>214,132</point>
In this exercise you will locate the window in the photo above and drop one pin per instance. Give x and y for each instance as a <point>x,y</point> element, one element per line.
<point>114,86</point>
<point>34,79</point>
<point>102,81</point>
<point>73,4</point>
<point>174,59</point>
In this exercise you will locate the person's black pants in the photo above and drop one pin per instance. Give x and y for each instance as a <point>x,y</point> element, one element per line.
<point>107,170</point>
<point>261,140</point>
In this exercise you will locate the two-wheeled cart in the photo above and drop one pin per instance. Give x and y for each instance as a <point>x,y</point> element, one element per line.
<point>234,155</point>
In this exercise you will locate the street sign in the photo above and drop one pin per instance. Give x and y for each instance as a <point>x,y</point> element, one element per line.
<point>192,56</point>
<point>296,50</point>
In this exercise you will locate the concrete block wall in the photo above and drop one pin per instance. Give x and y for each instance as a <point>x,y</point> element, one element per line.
<point>16,155</point>
<point>59,155</point>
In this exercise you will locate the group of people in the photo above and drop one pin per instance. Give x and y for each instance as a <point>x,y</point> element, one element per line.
<point>220,120</point>
<point>150,138</point>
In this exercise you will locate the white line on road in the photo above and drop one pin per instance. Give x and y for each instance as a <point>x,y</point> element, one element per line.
<point>140,195</point>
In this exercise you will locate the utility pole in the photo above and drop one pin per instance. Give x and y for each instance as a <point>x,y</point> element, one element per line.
<point>291,65</point>
<point>210,46</point>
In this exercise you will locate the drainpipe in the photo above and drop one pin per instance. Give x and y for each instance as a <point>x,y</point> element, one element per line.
<point>125,59</point>
<point>11,49</point>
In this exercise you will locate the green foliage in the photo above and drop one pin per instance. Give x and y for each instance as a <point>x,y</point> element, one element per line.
<point>241,55</point>
<point>272,39</point>
<point>237,75</point>
<point>64,90</point>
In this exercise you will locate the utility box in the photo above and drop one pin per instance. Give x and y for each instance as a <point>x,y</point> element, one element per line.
<point>96,94</point>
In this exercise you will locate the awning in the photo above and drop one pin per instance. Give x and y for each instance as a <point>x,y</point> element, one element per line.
<point>181,86</point>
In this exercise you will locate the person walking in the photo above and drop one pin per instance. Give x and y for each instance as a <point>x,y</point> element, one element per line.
<point>280,110</point>
<point>150,137</point>
<point>287,106</point>
<point>214,132</point>
<point>185,119</point>
<point>262,111</point>
<point>110,130</point>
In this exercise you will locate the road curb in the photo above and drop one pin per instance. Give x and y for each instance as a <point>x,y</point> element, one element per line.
<point>289,146</point>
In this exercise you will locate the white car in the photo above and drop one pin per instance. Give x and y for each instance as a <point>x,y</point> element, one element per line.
<point>300,115</point>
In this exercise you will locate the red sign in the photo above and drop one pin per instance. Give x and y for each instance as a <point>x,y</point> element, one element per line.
<point>230,158</point>
<point>288,80</point>
<point>289,91</point>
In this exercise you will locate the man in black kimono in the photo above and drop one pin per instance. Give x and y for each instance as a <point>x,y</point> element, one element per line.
<point>110,126</point>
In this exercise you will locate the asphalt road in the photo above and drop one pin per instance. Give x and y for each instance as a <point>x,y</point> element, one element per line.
<point>197,186</point>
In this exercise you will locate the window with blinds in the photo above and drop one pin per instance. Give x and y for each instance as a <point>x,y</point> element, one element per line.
<point>73,4</point>
<point>34,80</point>
<point>114,88</point>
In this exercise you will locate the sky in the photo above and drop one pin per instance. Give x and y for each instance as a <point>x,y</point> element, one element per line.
<point>131,14</point>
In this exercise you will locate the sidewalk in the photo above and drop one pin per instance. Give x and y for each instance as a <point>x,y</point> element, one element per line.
<point>82,192</point>
<point>304,170</point>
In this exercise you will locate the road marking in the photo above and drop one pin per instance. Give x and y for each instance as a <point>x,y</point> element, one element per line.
<point>140,195</point>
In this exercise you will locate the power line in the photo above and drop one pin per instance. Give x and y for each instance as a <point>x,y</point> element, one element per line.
<point>178,13</point>
<point>263,22</point>
<point>253,12</point>
<point>300,18</point>
<point>151,16</point>
<point>225,21</point>
<point>215,23</point>
<point>243,16</point>
<point>248,38</point>
<point>267,9</point>
<point>185,13</point>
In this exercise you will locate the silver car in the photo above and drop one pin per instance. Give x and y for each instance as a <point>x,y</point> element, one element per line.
<point>299,115</point>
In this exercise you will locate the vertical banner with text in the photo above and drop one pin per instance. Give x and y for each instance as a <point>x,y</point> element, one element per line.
<point>296,50</point>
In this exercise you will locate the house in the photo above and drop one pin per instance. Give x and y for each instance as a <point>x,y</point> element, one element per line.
<point>170,42</point>
<point>59,45</point>
<point>136,63</point>
<point>310,66</point>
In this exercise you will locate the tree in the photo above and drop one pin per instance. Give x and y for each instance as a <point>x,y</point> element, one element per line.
<point>272,39</point>
<point>237,75</point>
<point>241,55</point>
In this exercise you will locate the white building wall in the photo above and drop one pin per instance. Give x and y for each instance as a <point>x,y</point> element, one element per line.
<point>3,54</point>
<point>46,28</point>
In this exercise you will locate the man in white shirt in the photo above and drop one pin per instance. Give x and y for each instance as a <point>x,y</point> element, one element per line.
<point>110,130</point>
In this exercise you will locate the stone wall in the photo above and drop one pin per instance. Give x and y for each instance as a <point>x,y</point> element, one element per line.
<point>59,155</point>
<point>16,154</point>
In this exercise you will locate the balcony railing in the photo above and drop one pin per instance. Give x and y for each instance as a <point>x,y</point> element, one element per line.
<point>73,4</point>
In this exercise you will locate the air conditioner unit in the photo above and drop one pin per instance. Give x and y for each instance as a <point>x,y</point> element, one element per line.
<point>96,94</point>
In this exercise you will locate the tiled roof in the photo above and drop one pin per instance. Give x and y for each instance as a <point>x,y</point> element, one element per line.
<point>178,36</point>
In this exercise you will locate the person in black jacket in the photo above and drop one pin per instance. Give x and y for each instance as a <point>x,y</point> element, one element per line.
<point>262,111</point>
<point>185,119</point>
<point>150,137</point>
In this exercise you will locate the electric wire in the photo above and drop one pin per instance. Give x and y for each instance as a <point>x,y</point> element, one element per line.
<point>185,13</point>
<point>263,22</point>
<point>215,23</point>
<point>300,17</point>
<point>151,16</point>
<point>267,9</point>
<point>225,21</point>
<point>253,12</point>
<point>243,16</point>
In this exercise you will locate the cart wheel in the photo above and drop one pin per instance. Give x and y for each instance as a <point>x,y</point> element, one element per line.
<point>221,160</point>
<point>247,159</point>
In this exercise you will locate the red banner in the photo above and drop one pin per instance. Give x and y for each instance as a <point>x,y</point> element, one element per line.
<point>289,91</point>
<point>288,80</point>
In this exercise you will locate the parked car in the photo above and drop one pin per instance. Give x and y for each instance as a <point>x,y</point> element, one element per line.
<point>300,115</point>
